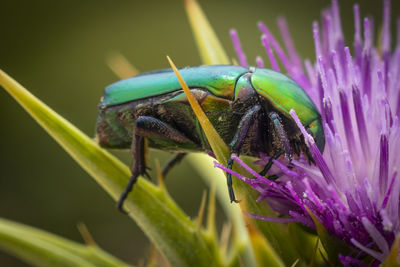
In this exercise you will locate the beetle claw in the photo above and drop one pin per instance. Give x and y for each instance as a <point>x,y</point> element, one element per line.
<point>147,175</point>
<point>120,207</point>
<point>273,177</point>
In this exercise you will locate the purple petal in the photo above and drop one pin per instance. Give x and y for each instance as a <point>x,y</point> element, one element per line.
<point>349,261</point>
<point>367,34</point>
<point>361,125</point>
<point>279,52</point>
<point>259,62</point>
<point>336,21</point>
<point>389,191</point>
<point>328,113</point>
<point>313,196</point>
<point>348,125</point>
<point>338,69</point>
<point>302,219</point>
<point>386,29</point>
<point>319,161</point>
<point>357,34</point>
<point>317,41</point>
<point>287,40</point>
<point>376,235</point>
<point>270,53</point>
<point>238,48</point>
<point>371,252</point>
<point>383,167</point>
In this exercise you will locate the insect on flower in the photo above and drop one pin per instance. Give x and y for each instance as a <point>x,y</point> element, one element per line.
<point>248,106</point>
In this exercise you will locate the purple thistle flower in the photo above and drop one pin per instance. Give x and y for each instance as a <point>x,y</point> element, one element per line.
<point>353,189</point>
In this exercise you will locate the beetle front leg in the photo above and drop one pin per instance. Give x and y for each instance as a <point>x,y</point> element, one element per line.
<point>276,121</point>
<point>270,162</point>
<point>237,143</point>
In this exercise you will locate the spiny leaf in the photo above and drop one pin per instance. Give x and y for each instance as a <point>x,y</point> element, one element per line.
<point>211,228</point>
<point>210,48</point>
<point>200,214</point>
<point>44,249</point>
<point>265,253</point>
<point>225,236</point>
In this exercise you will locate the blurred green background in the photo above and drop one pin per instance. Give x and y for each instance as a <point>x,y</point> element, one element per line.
<point>57,49</point>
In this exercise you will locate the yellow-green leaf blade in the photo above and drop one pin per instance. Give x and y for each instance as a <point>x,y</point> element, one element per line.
<point>44,249</point>
<point>210,48</point>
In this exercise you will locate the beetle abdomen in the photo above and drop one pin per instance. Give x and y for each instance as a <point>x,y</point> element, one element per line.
<point>110,131</point>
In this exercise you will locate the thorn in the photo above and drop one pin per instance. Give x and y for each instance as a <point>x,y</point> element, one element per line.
<point>121,67</point>
<point>86,236</point>
<point>200,215</point>
<point>235,62</point>
<point>211,210</point>
<point>295,263</point>
<point>224,239</point>
<point>160,177</point>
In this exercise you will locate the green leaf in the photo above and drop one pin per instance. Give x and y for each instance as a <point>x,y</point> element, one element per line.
<point>266,255</point>
<point>210,48</point>
<point>304,241</point>
<point>392,260</point>
<point>332,245</point>
<point>44,249</point>
<point>167,226</point>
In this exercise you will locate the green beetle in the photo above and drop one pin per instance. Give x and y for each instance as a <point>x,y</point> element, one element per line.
<point>249,107</point>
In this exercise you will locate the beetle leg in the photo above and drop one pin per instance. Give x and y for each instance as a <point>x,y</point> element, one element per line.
<point>282,134</point>
<point>285,142</point>
<point>170,164</point>
<point>270,162</point>
<point>237,143</point>
<point>138,168</point>
<point>152,128</point>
